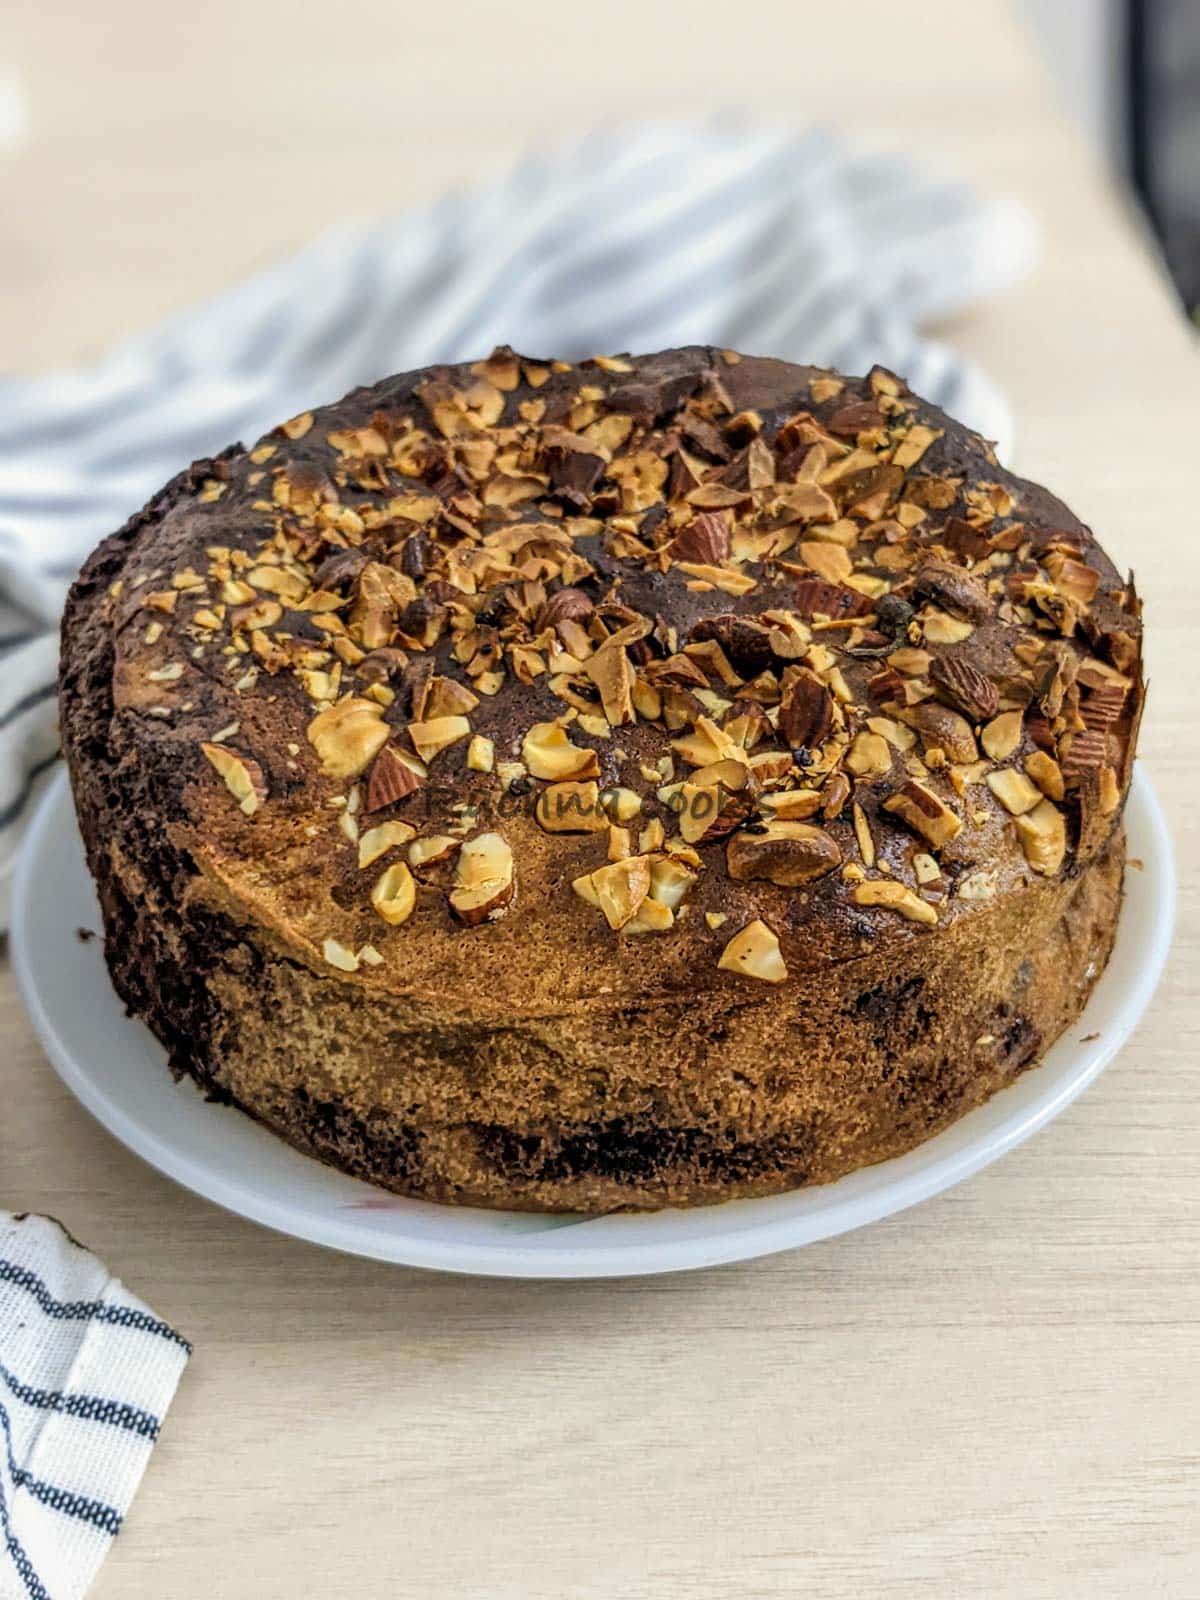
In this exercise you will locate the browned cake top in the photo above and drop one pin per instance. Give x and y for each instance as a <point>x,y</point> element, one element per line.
<point>469,680</point>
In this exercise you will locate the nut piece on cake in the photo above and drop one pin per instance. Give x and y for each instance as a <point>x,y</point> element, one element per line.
<point>754,953</point>
<point>484,881</point>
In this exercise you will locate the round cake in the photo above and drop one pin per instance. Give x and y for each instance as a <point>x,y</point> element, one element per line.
<point>637,782</point>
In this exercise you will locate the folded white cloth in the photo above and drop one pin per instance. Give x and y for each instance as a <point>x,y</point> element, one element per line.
<point>772,243</point>
<point>86,1376</point>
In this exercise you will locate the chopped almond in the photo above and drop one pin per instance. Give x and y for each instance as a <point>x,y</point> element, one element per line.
<point>755,953</point>
<point>1046,773</point>
<point>1002,735</point>
<point>395,894</point>
<point>548,753</point>
<point>896,897</point>
<point>376,842</point>
<point>787,853</point>
<point>572,808</point>
<point>243,776</point>
<point>481,754</point>
<point>484,880</point>
<point>869,756</point>
<point>1014,790</point>
<point>1043,837</point>
<point>437,734</point>
<point>620,889</point>
<point>348,736</point>
<point>924,813</point>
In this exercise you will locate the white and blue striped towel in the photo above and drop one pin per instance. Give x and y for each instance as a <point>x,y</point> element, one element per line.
<point>772,243</point>
<point>86,1376</point>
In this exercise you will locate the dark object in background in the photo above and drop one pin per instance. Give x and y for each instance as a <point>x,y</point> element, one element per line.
<point>1164,131</point>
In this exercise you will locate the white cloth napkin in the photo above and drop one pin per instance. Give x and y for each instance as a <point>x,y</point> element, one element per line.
<point>771,243</point>
<point>86,1376</point>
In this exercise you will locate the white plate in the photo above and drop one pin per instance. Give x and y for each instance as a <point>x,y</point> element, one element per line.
<point>117,1069</point>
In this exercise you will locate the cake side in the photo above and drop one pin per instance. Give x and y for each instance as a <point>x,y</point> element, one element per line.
<point>667,1103</point>
<point>916,677</point>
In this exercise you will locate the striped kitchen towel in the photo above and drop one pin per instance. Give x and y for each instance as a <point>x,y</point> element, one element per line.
<point>86,1376</point>
<point>775,243</point>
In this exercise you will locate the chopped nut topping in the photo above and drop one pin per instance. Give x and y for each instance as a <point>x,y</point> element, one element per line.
<point>395,894</point>
<point>566,605</point>
<point>786,853</point>
<point>712,805</point>
<point>921,809</point>
<point>481,754</point>
<point>754,953</point>
<point>622,805</point>
<point>979,885</point>
<point>940,726</point>
<point>1043,837</point>
<point>954,590</point>
<point>548,753</point>
<point>941,628</point>
<point>348,736</point>
<point>670,880</point>
<point>1046,773</point>
<point>896,734</point>
<point>572,808</point>
<point>886,892</point>
<point>912,663</point>
<point>279,581</point>
<point>834,796</point>
<point>620,843</point>
<point>964,687</point>
<point>652,836</point>
<point>243,776</point>
<point>586,889</point>
<point>805,710</point>
<point>1002,735</point>
<point>376,842</point>
<point>484,880</point>
<point>869,634</point>
<point>1013,790</point>
<point>445,698</point>
<point>433,848</point>
<point>707,745</point>
<point>705,539</point>
<point>828,561</point>
<point>869,756</point>
<point>792,805</point>
<point>338,956</point>
<point>1109,791</point>
<point>650,917</point>
<point>863,835</point>
<point>298,426</point>
<point>610,670</point>
<point>925,868</point>
<point>914,444</point>
<point>620,888</point>
<point>437,734</point>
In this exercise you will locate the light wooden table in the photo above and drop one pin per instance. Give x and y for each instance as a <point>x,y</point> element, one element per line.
<point>992,1395</point>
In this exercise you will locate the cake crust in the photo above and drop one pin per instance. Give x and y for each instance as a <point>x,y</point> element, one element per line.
<point>641,782</point>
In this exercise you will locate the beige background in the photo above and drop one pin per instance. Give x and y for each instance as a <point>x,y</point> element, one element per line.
<point>993,1395</point>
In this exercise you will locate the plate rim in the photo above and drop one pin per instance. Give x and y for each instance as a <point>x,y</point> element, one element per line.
<point>724,1243</point>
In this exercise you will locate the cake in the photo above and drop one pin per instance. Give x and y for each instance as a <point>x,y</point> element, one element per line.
<point>639,782</point>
